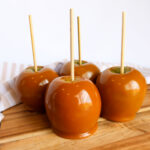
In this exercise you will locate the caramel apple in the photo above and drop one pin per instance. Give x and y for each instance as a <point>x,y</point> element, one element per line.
<point>122,94</point>
<point>72,103</point>
<point>31,86</point>
<point>73,107</point>
<point>82,68</point>
<point>86,70</point>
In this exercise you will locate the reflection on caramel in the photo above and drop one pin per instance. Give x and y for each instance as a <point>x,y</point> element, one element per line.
<point>85,70</point>
<point>73,108</point>
<point>31,86</point>
<point>122,94</point>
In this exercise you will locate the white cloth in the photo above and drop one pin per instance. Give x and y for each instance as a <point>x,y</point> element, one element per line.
<point>8,97</point>
<point>1,117</point>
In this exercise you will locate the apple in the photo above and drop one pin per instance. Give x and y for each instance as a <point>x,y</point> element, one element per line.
<point>122,94</point>
<point>86,70</point>
<point>73,107</point>
<point>31,86</point>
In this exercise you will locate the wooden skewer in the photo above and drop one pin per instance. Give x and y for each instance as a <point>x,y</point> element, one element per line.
<point>79,40</point>
<point>123,42</point>
<point>32,42</point>
<point>72,44</point>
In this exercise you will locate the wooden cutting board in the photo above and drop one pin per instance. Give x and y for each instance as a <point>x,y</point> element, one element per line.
<point>25,130</point>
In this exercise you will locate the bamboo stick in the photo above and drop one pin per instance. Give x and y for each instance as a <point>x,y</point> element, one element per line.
<point>72,44</point>
<point>79,40</point>
<point>33,44</point>
<point>123,42</point>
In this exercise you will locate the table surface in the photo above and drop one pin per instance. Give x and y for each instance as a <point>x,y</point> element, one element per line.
<point>22,129</point>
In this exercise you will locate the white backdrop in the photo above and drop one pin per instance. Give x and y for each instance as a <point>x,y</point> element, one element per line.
<point>100,30</point>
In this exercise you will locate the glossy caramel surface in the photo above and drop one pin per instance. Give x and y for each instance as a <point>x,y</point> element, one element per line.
<point>73,108</point>
<point>122,94</point>
<point>31,86</point>
<point>85,70</point>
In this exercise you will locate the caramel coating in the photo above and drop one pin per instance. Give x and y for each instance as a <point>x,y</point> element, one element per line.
<point>31,86</point>
<point>73,108</point>
<point>122,94</point>
<point>85,70</point>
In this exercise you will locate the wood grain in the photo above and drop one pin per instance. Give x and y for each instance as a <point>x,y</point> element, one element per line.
<point>26,130</point>
<point>19,120</point>
<point>140,142</point>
